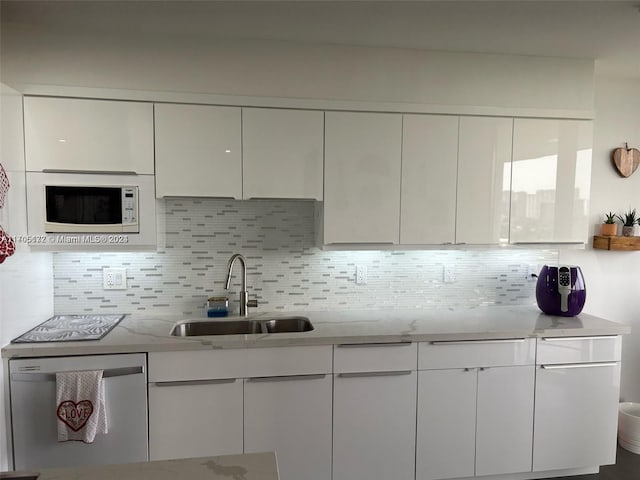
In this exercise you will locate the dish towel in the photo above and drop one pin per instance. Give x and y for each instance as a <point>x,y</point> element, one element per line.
<point>80,405</point>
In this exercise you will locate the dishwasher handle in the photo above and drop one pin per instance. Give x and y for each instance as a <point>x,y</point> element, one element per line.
<point>49,377</point>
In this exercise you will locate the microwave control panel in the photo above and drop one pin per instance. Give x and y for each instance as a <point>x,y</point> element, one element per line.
<point>129,205</point>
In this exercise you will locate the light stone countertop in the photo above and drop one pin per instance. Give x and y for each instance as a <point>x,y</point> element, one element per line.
<point>138,333</point>
<point>251,466</point>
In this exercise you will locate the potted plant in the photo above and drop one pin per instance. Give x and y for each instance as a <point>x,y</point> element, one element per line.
<point>609,227</point>
<point>628,222</point>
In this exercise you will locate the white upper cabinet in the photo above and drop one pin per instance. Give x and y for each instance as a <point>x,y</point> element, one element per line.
<point>362,177</point>
<point>551,179</point>
<point>484,172</point>
<point>198,151</point>
<point>282,153</point>
<point>429,173</point>
<point>68,134</point>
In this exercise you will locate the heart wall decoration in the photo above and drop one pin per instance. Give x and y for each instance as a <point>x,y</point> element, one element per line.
<point>626,160</point>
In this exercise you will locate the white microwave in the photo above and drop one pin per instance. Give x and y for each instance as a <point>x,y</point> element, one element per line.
<point>91,209</point>
<point>85,203</point>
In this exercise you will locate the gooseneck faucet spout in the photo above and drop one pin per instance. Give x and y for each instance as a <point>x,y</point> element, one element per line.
<point>245,303</point>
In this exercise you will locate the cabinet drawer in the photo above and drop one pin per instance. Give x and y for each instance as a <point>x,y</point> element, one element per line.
<point>606,348</point>
<point>374,357</point>
<point>281,361</point>
<point>201,365</point>
<point>476,353</point>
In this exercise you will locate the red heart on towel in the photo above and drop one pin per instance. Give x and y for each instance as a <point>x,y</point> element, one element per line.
<point>75,415</point>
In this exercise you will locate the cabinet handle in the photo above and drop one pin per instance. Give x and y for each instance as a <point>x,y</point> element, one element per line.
<point>374,374</point>
<point>364,243</point>
<point>51,377</point>
<point>217,381</point>
<point>550,242</point>
<point>366,345</point>
<point>92,172</point>
<point>560,339</point>
<point>577,365</point>
<point>287,378</point>
<point>477,342</point>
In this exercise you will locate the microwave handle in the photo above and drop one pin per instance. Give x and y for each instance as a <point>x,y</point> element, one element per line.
<point>95,172</point>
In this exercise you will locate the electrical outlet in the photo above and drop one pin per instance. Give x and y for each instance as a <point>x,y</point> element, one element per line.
<point>361,274</point>
<point>114,278</point>
<point>448,274</point>
<point>532,272</point>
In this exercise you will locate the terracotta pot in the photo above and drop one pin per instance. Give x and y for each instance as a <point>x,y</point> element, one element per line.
<point>609,229</point>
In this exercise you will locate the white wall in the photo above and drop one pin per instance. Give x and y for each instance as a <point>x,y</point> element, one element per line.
<point>26,279</point>
<point>613,278</point>
<point>148,62</point>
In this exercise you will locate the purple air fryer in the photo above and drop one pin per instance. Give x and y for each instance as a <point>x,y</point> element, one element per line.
<point>561,290</point>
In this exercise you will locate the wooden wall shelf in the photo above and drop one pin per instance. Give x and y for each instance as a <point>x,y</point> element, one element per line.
<point>616,243</point>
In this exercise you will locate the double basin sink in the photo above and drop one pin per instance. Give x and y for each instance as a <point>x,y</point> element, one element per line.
<point>242,326</point>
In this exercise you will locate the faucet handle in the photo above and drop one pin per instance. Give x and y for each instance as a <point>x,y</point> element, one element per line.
<point>252,303</point>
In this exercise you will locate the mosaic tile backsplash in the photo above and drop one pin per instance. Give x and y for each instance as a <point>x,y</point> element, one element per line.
<point>286,271</point>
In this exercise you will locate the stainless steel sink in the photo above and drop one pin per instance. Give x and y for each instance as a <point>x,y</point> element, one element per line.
<point>287,324</point>
<point>216,327</point>
<point>242,327</point>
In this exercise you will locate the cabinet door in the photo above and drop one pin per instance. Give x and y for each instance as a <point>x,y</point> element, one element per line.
<point>374,426</point>
<point>292,417</point>
<point>576,415</point>
<point>429,172</point>
<point>195,419</point>
<point>198,151</point>
<point>551,180</point>
<point>282,153</point>
<point>446,424</point>
<point>504,426</point>
<point>88,135</point>
<point>362,177</point>
<point>484,174</point>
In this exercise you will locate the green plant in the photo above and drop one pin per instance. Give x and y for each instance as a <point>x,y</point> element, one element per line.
<point>629,219</point>
<point>610,218</point>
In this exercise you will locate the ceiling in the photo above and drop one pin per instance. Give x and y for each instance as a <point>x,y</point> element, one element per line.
<point>608,31</point>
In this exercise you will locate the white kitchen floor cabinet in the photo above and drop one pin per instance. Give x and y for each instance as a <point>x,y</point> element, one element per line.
<point>80,135</point>
<point>292,417</point>
<point>576,412</point>
<point>282,153</point>
<point>551,180</point>
<point>474,421</point>
<point>446,438</point>
<point>429,178</point>
<point>374,426</point>
<point>198,151</point>
<point>475,408</point>
<point>484,173</point>
<point>374,411</point>
<point>197,418</point>
<point>362,177</point>
<point>195,403</point>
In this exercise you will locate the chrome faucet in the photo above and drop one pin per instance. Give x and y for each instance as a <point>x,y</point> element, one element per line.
<point>245,303</point>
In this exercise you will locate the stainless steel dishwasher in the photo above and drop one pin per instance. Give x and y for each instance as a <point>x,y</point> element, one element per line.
<point>33,412</point>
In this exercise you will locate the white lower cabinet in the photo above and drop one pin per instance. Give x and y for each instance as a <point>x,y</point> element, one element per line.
<point>374,411</point>
<point>407,411</point>
<point>474,421</point>
<point>195,403</point>
<point>374,426</point>
<point>504,423</point>
<point>576,413</point>
<point>292,417</point>
<point>198,418</point>
<point>446,434</point>
<point>475,418</point>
